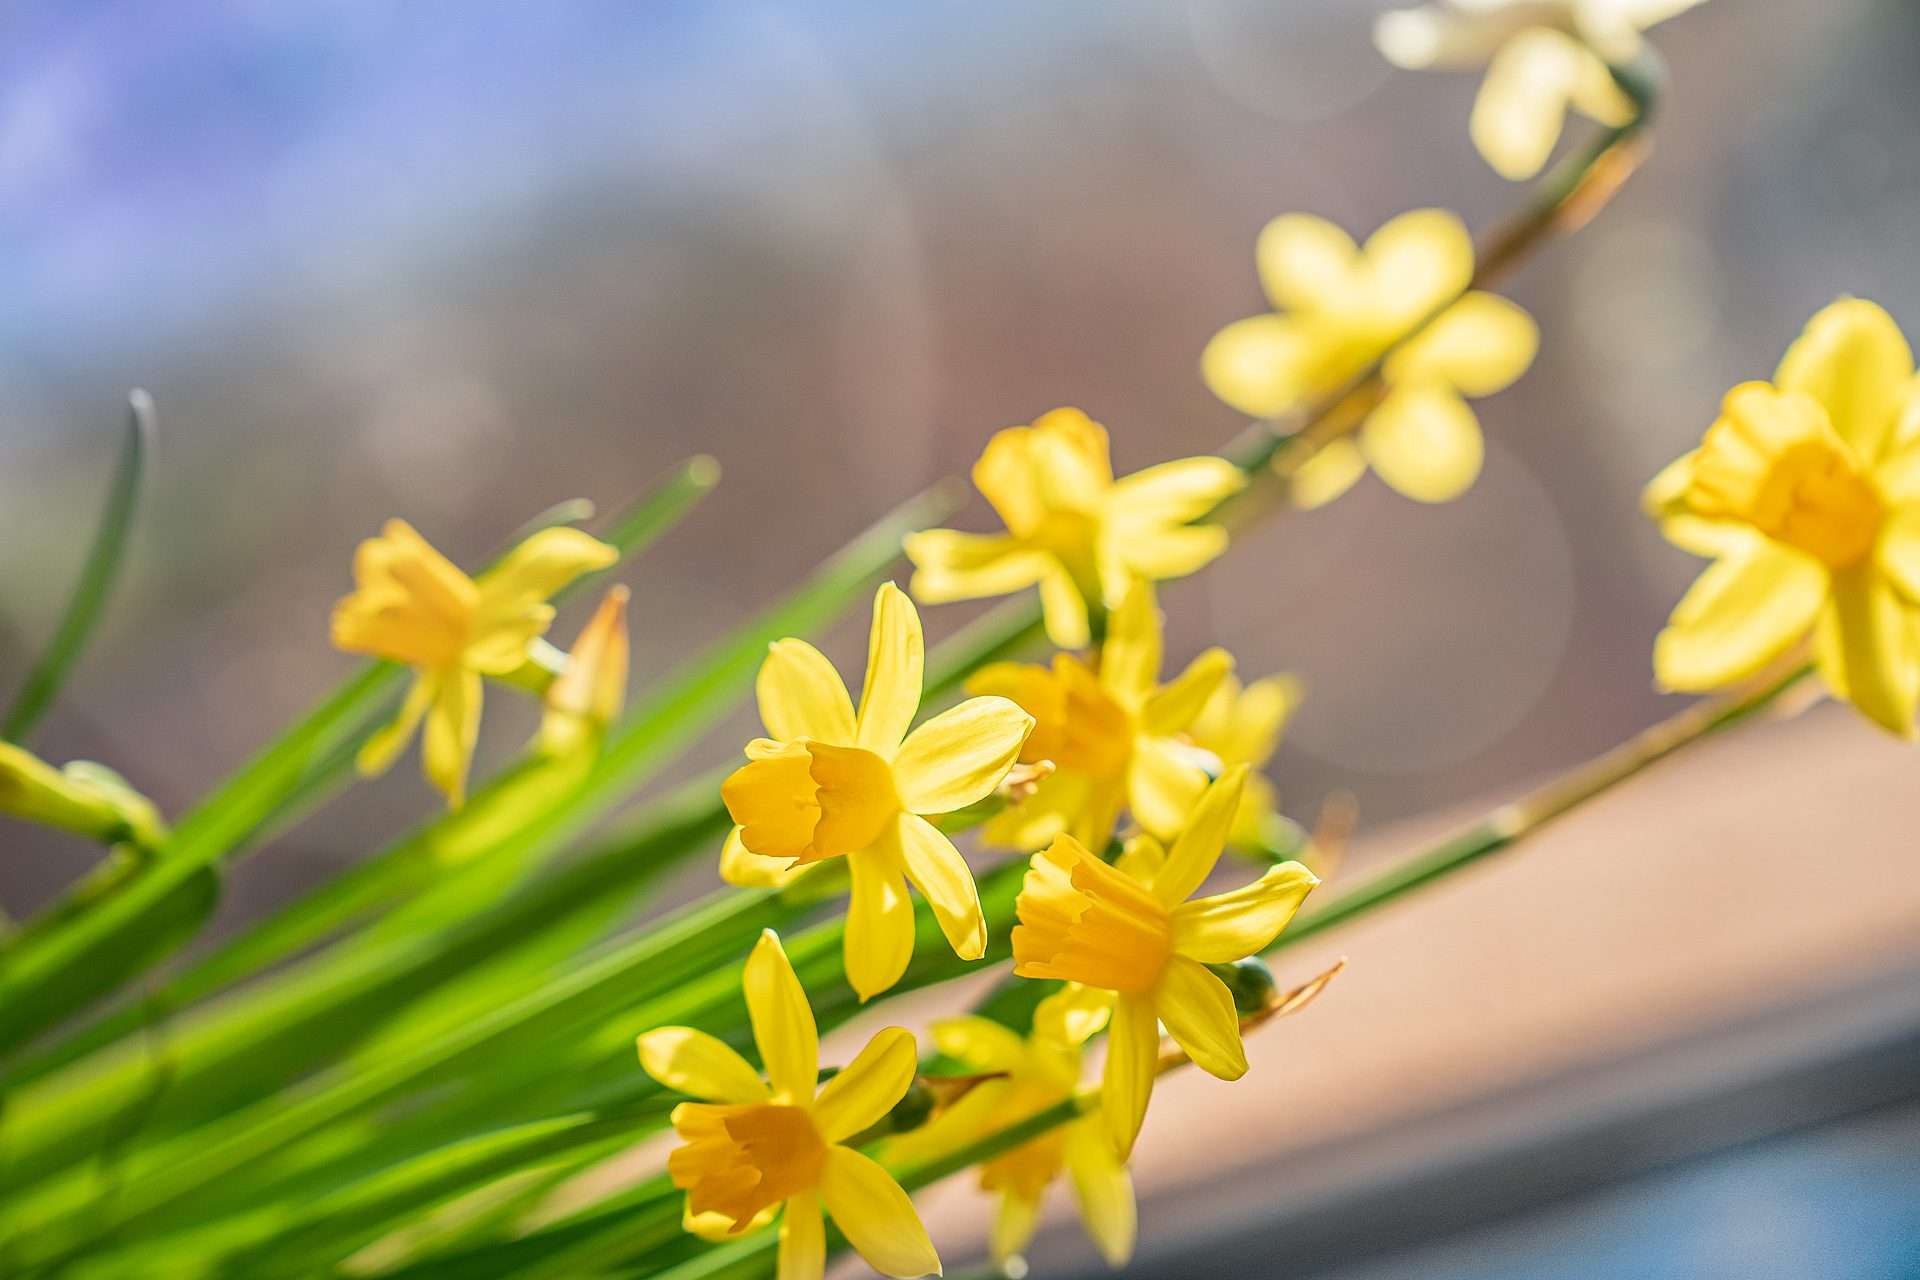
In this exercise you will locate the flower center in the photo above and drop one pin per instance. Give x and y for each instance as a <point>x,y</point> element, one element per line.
<point>1087,922</point>
<point>810,801</point>
<point>1773,461</point>
<point>739,1160</point>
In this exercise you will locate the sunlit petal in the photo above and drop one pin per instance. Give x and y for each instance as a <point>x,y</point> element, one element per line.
<point>1306,263</point>
<point>1854,360</point>
<point>1739,615</point>
<point>879,939</point>
<point>1199,1013</point>
<point>1425,442</point>
<point>1193,855</point>
<point>868,1087</point>
<point>1176,705</point>
<point>1104,1190</point>
<point>802,696</point>
<point>1133,1054</point>
<point>875,1215</point>
<point>896,654</point>
<point>782,1020</point>
<point>961,755</point>
<point>379,752</point>
<point>1231,926</point>
<point>699,1065</point>
<point>936,868</point>
<point>803,1239</point>
<point>1478,346</point>
<point>453,727</point>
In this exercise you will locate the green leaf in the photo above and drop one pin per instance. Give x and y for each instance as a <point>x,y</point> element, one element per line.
<point>97,576</point>
<point>58,964</point>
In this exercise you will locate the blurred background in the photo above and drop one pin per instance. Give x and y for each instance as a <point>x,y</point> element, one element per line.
<point>456,262</point>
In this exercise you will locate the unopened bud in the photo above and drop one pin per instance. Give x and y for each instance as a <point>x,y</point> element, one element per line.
<point>85,798</point>
<point>1251,982</point>
<point>589,694</point>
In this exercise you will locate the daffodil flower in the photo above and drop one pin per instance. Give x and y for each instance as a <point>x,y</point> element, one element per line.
<point>1072,529</point>
<point>411,604</point>
<point>587,697</point>
<point>1032,1074</point>
<point>834,782</point>
<point>1337,308</point>
<point>754,1147</point>
<point>1243,726</point>
<point>1128,928</point>
<point>1806,492</point>
<point>1543,58</point>
<point>1116,736</point>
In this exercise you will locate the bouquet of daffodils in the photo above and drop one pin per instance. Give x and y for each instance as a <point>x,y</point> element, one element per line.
<point>460,1057</point>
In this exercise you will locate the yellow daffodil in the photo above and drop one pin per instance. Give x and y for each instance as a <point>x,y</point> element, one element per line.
<point>85,798</point>
<point>1072,529</point>
<point>1243,726</point>
<point>1337,308</point>
<point>587,697</point>
<point>755,1147</point>
<point>411,604</point>
<point>1806,492</point>
<point>834,782</point>
<point>1115,737</point>
<point>1543,57</point>
<point>1129,929</point>
<point>1032,1074</point>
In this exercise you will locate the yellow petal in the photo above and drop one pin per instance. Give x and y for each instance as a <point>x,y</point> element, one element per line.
<point>1898,552</point>
<point>1072,1015</point>
<point>803,1239</point>
<point>1174,492</point>
<point>589,694</point>
<point>879,939</point>
<point>936,868</point>
<point>1270,365</point>
<point>1425,442</point>
<point>1142,859</point>
<point>1327,474</point>
<point>1191,859</point>
<point>1478,346</point>
<point>961,755</point>
<point>1130,658</point>
<point>802,696</point>
<point>782,1020</point>
<point>774,799</point>
<point>1071,459</point>
<point>1065,611</point>
<point>699,1065</point>
<point>410,603</point>
<point>966,566</point>
<point>1232,926</point>
<point>453,726</point>
<point>718,1228</point>
<point>1416,262</point>
<point>875,1215</point>
<point>1665,500</point>
<point>745,869</point>
<point>1738,616</point>
<point>1877,647</point>
<point>1161,553</point>
<point>1126,1084</point>
<point>512,609</point>
<point>1013,1225</point>
<point>1199,1013</point>
<point>868,1087</point>
<point>1176,705</point>
<point>1163,785</point>
<point>1522,103</point>
<point>896,654</point>
<point>1105,1192</point>
<point>1854,360</point>
<point>1306,263</point>
<point>1266,365</point>
<point>379,752</point>
<point>981,1043</point>
<point>1007,477</point>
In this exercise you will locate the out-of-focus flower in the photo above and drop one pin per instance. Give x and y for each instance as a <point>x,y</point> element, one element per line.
<point>85,798</point>
<point>411,604</point>
<point>587,697</point>
<point>1243,726</point>
<point>1543,57</point>
<point>1806,492</point>
<point>1072,529</point>
<point>1128,928</point>
<point>1337,308</point>
<point>832,782</point>
<point>1032,1074</point>
<point>754,1147</point>
<point>1115,736</point>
